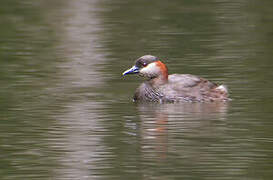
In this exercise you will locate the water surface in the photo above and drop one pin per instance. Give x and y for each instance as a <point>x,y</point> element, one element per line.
<point>66,112</point>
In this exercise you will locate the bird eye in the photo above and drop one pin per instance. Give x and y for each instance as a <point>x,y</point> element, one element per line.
<point>144,64</point>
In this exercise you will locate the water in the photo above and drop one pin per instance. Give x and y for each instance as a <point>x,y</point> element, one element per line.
<point>66,113</point>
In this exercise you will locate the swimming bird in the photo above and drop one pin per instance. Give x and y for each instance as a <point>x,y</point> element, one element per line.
<point>162,87</point>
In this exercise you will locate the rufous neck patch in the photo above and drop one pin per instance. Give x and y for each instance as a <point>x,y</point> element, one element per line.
<point>163,69</point>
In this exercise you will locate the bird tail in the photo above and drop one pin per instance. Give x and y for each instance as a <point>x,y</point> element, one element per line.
<point>223,88</point>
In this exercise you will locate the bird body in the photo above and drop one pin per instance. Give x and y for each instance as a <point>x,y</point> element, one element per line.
<point>161,87</point>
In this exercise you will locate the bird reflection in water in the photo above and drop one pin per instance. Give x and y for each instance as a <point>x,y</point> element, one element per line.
<point>166,126</point>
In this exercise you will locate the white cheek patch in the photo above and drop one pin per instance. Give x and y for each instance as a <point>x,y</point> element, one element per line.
<point>151,70</point>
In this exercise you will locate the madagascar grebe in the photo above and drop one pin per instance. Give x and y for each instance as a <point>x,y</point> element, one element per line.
<point>161,87</point>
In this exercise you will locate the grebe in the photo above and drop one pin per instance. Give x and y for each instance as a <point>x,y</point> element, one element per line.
<point>162,87</point>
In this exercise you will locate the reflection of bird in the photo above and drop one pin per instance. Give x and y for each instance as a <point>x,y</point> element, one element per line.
<point>161,87</point>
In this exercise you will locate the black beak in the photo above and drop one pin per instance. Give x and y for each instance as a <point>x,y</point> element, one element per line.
<point>133,70</point>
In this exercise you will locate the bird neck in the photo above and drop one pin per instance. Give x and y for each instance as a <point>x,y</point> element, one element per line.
<point>162,78</point>
<point>164,71</point>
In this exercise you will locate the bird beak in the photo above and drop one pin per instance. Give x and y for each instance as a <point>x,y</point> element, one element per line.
<point>132,70</point>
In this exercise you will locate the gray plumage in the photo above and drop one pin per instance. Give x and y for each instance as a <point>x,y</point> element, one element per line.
<point>181,87</point>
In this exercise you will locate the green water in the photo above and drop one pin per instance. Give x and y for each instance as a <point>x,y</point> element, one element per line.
<point>66,112</point>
